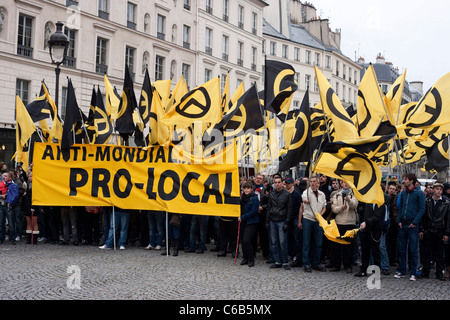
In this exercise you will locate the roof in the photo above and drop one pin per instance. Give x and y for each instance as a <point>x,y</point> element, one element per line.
<point>385,72</point>
<point>298,35</point>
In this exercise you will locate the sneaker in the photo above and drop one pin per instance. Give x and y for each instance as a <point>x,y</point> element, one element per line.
<point>412,278</point>
<point>103,247</point>
<point>18,238</point>
<point>158,248</point>
<point>122,248</point>
<point>149,247</point>
<point>398,275</point>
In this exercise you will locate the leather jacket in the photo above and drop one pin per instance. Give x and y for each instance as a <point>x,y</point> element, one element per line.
<point>279,206</point>
<point>440,220</point>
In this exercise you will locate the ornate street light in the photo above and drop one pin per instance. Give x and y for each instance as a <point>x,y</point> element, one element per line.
<point>58,45</point>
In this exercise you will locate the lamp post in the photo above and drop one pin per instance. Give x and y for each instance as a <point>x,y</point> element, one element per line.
<point>58,45</point>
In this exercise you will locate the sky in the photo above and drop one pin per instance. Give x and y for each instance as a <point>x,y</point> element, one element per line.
<point>413,35</point>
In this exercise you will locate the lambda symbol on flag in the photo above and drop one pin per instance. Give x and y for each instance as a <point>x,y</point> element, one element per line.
<point>434,112</point>
<point>204,108</point>
<point>355,173</point>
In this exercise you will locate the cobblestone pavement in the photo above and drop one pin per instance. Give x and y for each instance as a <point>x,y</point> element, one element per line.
<point>44,272</point>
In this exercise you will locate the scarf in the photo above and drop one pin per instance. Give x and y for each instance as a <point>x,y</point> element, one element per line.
<point>244,199</point>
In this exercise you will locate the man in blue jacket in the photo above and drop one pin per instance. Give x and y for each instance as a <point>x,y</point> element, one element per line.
<point>411,207</point>
<point>9,197</point>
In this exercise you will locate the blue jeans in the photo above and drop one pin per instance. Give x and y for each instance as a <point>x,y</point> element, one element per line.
<point>408,237</point>
<point>7,213</point>
<point>312,237</point>
<point>156,227</point>
<point>122,219</point>
<point>278,242</point>
<point>383,253</point>
<point>199,224</point>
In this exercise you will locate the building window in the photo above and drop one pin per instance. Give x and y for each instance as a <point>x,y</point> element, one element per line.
<point>307,81</point>
<point>209,7</point>
<point>327,62</point>
<point>273,48</point>
<point>337,68</point>
<point>297,54</point>
<point>208,41</point>
<point>101,56</point>
<point>316,85</point>
<point>185,70</point>
<point>208,75</point>
<point>240,53</point>
<point>24,48</point>
<point>161,27</point>
<point>254,23</point>
<point>297,77</point>
<point>187,4</point>
<point>285,51</point>
<point>344,91</point>
<point>129,59</point>
<point>241,17</point>
<point>343,71</point>
<point>349,75</point>
<point>225,48</point>
<point>159,68</point>
<point>254,57</point>
<point>337,89</point>
<point>296,104</point>
<point>317,59</point>
<point>223,81</point>
<point>263,46</point>
<point>131,16</point>
<point>186,36</point>
<point>70,60</point>
<point>355,77</point>
<point>63,102</point>
<point>308,57</point>
<point>103,9</point>
<point>22,90</point>
<point>225,10</point>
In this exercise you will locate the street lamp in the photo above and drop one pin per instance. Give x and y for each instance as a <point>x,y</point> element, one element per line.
<point>58,45</point>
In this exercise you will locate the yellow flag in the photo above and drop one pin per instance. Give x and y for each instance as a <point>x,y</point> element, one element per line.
<point>433,110</point>
<point>57,129</point>
<point>370,109</point>
<point>112,100</point>
<point>163,88</point>
<point>24,125</point>
<point>343,125</point>
<point>357,170</point>
<point>177,93</point>
<point>200,104</point>
<point>393,99</point>
<point>159,133</point>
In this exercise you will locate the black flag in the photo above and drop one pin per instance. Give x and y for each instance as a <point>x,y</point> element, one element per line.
<point>128,103</point>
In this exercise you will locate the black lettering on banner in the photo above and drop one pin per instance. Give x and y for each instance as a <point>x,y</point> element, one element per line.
<point>48,152</point>
<point>122,173</point>
<point>117,157</point>
<point>355,174</point>
<point>185,187</point>
<point>203,108</point>
<point>98,183</point>
<point>141,158</point>
<point>213,181</point>
<point>84,153</point>
<point>150,155</point>
<point>75,153</point>
<point>102,153</point>
<point>74,182</point>
<point>176,185</point>
<point>228,189</point>
<point>151,178</point>
<point>129,153</point>
<point>160,155</point>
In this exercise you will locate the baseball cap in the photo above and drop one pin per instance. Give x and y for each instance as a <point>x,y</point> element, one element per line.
<point>289,180</point>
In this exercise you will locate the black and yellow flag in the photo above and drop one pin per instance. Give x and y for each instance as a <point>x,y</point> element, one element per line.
<point>356,169</point>
<point>56,129</point>
<point>102,121</point>
<point>90,119</point>
<point>393,99</point>
<point>300,148</point>
<point>112,99</point>
<point>24,125</point>
<point>200,104</point>
<point>370,108</point>
<point>433,110</point>
<point>128,103</point>
<point>146,98</point>
<point>438,156</point>
<point>40,108</point>
<point>344,127</point>
<point>279,86</point>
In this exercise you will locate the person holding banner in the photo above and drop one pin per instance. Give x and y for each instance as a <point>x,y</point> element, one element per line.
<point>9,196</point>
<point>121,218</point>
<point>249,220</point>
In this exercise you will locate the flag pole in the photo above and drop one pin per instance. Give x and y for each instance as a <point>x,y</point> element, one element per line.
<point>237,242</point>
<point>114,226</point>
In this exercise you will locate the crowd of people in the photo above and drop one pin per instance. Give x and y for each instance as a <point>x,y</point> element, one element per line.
<point>409,233</point>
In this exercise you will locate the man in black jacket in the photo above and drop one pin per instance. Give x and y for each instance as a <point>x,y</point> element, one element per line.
<point>434,231</point>
<point>279,214</point>
<point>371,232</point>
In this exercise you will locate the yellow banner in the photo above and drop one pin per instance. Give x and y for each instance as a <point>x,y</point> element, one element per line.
<point>133,178</point>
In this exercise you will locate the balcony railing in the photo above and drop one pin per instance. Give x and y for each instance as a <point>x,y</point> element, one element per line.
<point>102,69</point>
<point>240,62</point>
<point>225,56</point>
<point>71,3</point>
<point>131,25</point>
<point>24,51</point>
<point>186,45</point>
<point>208,50</point>
<point>241,25</point>
<point>253,66</point>
<point>187,6</point>
<point>161,35</point>
<point>70,62</point>
<point>225,17</point>
<point>103,14</point>
<point>209,9</point>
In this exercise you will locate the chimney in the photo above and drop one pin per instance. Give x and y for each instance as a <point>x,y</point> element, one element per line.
<point>361,60</point>
<point>380,59</point>
<point>418,85</point>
